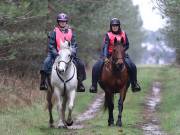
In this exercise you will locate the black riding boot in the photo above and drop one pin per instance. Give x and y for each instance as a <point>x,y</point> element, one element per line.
<point>43,85</point>
<point>80,87</point>
<point>93,88</point>
<point>80,76</point>
<point>95,75</point>
<point>133,77</point>
<point>135,86</point>
<point>132,70</point>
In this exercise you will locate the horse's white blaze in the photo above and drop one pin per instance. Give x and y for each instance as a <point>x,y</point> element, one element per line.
<point>63,62</point>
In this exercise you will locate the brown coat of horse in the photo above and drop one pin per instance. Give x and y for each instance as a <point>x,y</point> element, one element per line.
<point>115,79</point>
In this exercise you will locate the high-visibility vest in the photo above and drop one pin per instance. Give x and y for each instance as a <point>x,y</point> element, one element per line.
<point>61,36</point>
<point>112,37</point>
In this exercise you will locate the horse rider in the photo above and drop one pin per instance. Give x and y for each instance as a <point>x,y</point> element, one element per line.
<point>62,32</point>
<point>115,31</point>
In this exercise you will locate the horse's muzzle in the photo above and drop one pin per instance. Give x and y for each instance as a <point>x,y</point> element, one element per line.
<point>61,71</point>
<point>119,66</point>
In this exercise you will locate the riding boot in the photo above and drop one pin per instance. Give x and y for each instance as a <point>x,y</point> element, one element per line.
<point>95,75</point>
<point>132,71</point>
<point>43,85</point>
<point>81,74</point>
<point>80,87</point>
<point>135,87</point>
<point>93,88</point>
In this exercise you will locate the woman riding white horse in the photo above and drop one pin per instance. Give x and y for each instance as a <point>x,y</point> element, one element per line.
<point>64,84</point>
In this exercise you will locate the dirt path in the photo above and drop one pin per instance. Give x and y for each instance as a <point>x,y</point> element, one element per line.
<point>151,125</point>
<point>90,113</point>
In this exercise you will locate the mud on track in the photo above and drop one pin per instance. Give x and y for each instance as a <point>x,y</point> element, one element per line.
<point>90,113</point>
<point>151,125</point>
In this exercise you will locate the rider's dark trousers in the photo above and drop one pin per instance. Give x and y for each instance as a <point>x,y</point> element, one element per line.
<point>81,73</point>
<point>132,70</point>
<point>96,71</point>
<point>47,64</point>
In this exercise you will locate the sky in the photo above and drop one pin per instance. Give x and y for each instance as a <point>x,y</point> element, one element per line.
<point>152,19</point>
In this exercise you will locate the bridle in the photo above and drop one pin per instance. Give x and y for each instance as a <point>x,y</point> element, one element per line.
<point>59,73</point>
<point>66,63</point>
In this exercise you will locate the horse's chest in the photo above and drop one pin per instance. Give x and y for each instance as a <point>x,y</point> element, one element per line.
<point>115,83</point>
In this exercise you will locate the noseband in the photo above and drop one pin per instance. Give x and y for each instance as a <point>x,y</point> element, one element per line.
<point>66,63</point>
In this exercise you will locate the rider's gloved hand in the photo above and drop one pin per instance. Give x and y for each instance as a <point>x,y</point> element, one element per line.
<point>106,60</point>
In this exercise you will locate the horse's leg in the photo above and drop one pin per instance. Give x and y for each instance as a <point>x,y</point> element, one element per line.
<point>50,105</point>
<point>71,97</point>
<point>120,106</point>
<point>110,104</point>
<point>64,109</point>
<point>59,107</point>
<point>49,101</point>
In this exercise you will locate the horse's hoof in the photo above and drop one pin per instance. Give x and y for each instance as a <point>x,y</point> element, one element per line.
<point>119,123</point>
<point>111,123</point>
<point>69,123</point>
<point>62,126</point>
<point>51,125</point>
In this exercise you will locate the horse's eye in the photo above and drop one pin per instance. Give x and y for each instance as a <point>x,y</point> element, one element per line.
<point>69,55</point>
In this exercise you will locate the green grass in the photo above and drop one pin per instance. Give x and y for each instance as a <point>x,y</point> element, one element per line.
<point>132,110</point>
<point>34,120</point>
<point>169,109</point>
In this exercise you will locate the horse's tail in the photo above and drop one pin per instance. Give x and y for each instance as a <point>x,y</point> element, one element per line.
<point>108,100</point>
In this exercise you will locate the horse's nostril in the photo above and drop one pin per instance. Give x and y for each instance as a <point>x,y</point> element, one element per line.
<point>120,66</point>
<point>61,71</point>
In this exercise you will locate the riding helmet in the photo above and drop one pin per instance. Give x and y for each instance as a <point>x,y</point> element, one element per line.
<point>62,17</point>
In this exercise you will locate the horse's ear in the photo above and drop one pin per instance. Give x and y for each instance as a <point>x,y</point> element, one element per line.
<point>115,41</point>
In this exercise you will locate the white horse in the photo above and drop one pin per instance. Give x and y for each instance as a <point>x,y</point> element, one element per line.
<point>63,86</point>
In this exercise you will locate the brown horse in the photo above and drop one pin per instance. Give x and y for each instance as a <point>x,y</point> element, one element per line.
<point>114,79</point>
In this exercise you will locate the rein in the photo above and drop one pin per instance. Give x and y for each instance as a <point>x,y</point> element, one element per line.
<point>65,81</point>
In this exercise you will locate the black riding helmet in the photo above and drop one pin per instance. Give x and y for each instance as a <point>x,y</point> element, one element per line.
<point>116,22</point>
<point>62,17</point>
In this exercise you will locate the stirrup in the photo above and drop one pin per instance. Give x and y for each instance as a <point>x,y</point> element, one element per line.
<point>43,87</point>
<point>93,89</point>
<point>136,88</point>
<point>80,88</point>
